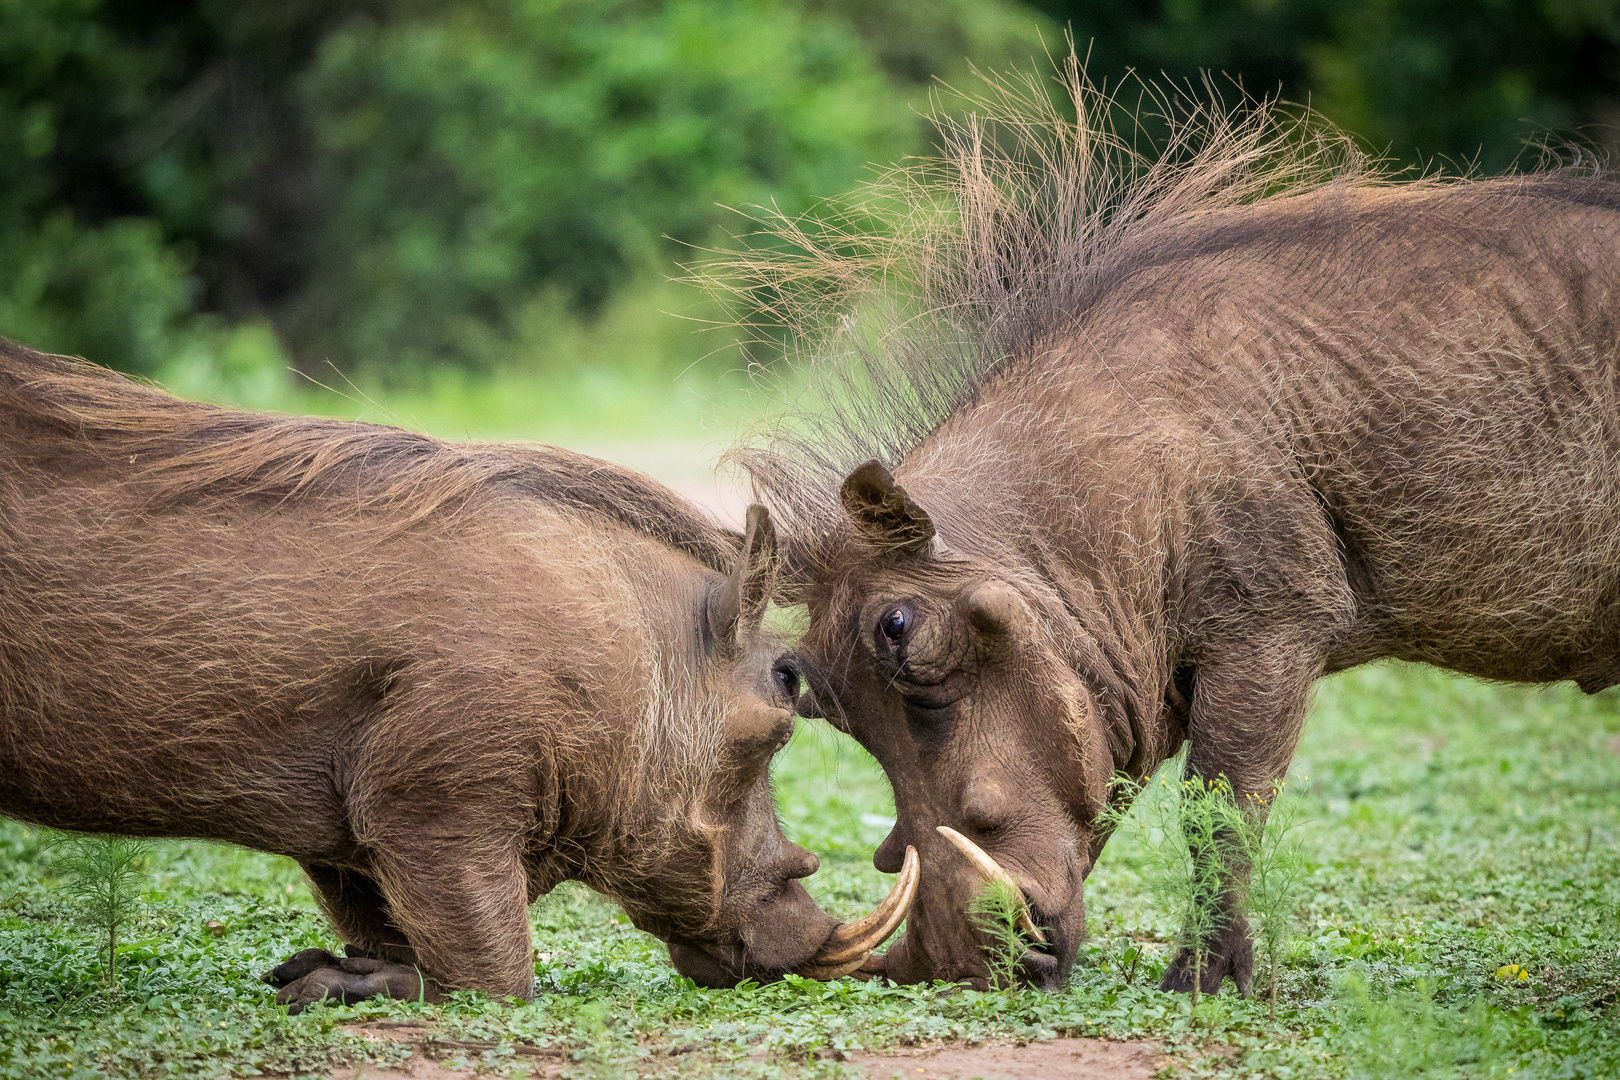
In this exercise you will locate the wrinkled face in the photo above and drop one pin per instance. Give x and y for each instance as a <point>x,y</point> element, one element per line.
<point>942,672</point>
<point>765,923</point>
<point>723,888</point>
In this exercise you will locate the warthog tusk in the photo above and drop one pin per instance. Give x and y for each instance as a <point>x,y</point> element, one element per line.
<point>991,870</point>
<point>852,942</point>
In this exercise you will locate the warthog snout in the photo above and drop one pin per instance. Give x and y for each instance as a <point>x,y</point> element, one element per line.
<point>845,949</point>
<point>852,943</point>
<point>948,937</point>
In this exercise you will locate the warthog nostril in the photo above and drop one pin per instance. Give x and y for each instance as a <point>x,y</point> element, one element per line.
<point>980,819</point>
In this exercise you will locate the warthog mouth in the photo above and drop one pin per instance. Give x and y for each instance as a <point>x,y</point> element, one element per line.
<point>992,873</point>
<point>1040,966</point>
<point>851,944</point>
<point>851,948</point>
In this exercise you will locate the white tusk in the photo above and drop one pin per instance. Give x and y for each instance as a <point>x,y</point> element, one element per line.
<point>991,870</point>
<point>851,943</point>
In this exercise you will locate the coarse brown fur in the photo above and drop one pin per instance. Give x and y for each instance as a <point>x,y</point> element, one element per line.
<point>1171,437</point>
<point>442,677</point>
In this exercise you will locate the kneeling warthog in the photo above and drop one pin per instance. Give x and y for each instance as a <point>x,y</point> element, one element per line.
<point>442,678</point>
<point>1188,435</point>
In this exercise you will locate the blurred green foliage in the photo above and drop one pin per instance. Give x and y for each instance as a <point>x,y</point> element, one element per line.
<point>221,187</point>
<point>394,184</point>
<point>1463,81</point>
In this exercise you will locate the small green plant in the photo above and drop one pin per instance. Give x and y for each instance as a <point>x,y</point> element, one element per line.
<point>995,910</point>
<point>107,872</point>
<point>1130,958</point>
<point>1195,843</point>
<point>1277,873</point>
<point>1199,836</point>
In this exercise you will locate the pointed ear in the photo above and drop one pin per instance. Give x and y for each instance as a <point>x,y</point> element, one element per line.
<point>739,607</point>
<point>882,511</point>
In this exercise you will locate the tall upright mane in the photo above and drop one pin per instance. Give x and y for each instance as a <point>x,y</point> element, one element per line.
<point>906,298</point>
<point>187,449</point>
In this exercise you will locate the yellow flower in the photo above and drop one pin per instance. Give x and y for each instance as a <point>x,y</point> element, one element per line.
<point>1512,973</point>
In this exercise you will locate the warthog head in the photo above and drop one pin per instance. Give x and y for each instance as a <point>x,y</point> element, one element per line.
<point>942,668</point>
<point>750,917</point>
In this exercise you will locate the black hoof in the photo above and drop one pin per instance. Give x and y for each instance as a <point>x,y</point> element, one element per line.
<point>298,965</point>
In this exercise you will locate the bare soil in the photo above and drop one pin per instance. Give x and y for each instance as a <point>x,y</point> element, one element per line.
<point>1080,1059</point>
<point>1067,1059</point>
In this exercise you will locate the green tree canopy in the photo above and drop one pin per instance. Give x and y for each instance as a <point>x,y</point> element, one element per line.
<point>1467,81</point>
<point>393,184</point>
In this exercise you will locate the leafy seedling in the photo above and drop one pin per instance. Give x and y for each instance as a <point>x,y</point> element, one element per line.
<point>106,875</point>
<point>995,910</point>
<point>1277,873</point>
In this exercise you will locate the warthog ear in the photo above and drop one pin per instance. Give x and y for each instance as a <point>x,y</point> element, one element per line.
<point>740,605</point>
<point>882,511</point>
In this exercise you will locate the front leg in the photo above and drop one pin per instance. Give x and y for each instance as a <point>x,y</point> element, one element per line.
<point>312,975</point>
<point>354,905</point>
<point>467,919</point>
<point>462,903</point>
<point>1247,712</point>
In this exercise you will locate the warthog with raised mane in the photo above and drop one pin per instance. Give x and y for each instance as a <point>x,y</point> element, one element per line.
<point>443,678</point>
<point>1158,445</point>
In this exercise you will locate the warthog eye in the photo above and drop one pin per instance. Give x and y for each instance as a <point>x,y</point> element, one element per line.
<point>787,680</point>
<point>894,624</point>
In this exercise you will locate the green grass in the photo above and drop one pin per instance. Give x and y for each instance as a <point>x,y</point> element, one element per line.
<point>1455,828</point>
<point>645,370</point>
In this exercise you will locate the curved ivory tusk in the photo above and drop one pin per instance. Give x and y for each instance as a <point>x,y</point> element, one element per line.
<point>991,870</point>
<point>851,943</point>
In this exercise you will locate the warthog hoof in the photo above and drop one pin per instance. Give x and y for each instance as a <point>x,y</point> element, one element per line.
<point>298,965</point>
<point>1232,954</point>
<point>313,975</point>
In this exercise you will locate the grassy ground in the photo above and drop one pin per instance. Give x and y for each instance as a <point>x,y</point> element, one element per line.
<point>1455,828</point>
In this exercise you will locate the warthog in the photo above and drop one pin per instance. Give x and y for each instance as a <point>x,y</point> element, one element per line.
<point>1176,439</point>
<point>443,678</point>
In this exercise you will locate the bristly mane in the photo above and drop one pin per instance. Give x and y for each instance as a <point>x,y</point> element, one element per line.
<point>185,450</point>
<point>907,297</point>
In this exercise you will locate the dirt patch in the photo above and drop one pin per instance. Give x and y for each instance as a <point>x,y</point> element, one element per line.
<point>1068,1059</point>
<point>418,1068</point>
<point>1071,1059</point>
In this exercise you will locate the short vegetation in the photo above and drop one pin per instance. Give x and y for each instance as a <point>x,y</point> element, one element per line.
<point>1195,834</point>
<point>105,878</point>
<point>995,911</point>
<point>1449,909</point>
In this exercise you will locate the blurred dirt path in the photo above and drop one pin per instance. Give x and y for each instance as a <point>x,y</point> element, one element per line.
<point>1069,1059</point>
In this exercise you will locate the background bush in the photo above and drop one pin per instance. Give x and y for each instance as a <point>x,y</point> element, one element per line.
<point>202,186</point>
